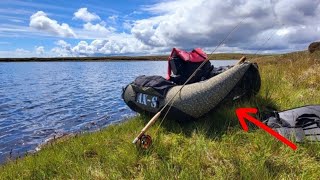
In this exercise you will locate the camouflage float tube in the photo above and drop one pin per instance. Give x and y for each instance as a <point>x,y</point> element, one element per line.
<point>197,99</point>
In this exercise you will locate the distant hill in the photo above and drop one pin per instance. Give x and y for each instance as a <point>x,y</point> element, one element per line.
<point>220,56</point>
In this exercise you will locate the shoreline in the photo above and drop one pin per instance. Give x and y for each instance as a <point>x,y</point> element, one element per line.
<point>220,56</point>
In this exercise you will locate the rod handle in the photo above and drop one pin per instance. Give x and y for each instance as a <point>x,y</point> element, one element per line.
<point>242,59</point>
<point>150,123</point>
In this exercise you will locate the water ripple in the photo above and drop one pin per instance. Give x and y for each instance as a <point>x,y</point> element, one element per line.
<point>42,100</point>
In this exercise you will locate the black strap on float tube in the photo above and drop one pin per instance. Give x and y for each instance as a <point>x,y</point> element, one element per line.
<point>171,101</point>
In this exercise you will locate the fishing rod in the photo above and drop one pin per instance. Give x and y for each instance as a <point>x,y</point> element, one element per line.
<point>171,101</point>
<point>268,39</point>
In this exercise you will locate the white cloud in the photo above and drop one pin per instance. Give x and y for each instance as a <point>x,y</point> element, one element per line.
<point>39,50</point>
<point>83,48</point>
<point>40,21</point>
<point>127,25</point>
<point>98,28</point>
<point>283,31</point>
<point>63,49</point>
<point>115,44</point>
<point>62,43</point>
<point>16,20</point>
<point>113,18</point>
<point>22,51</point>
<point>123,44</point>
<point>291,25</point>
<point>18,53</point>
<point>189,23</point>
<point>85,15</point>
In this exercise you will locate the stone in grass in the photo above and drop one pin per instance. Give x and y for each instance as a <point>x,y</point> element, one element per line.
<point>315,46</point>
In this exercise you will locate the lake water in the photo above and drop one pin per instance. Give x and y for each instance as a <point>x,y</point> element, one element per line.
<point>40,100</point>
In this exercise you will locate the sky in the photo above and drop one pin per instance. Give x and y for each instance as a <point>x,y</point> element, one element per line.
<point>46,28</point>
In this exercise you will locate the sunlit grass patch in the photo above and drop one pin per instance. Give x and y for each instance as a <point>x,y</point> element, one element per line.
<point>214,147</point>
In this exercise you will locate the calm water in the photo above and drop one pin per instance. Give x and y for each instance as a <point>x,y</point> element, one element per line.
<point>40,100</point>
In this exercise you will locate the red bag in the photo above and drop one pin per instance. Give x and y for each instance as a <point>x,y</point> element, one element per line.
<point>196,55</point>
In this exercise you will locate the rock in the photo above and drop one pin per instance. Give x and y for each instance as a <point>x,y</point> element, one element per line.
<point>315,46</point>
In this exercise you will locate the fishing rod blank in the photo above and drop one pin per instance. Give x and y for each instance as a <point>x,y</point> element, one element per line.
<point>157,115</point>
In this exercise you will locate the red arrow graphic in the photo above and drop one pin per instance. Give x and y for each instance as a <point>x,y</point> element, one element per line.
<point>242,114</point>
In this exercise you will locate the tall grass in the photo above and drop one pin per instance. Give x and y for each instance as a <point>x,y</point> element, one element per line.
<point>214,147</point>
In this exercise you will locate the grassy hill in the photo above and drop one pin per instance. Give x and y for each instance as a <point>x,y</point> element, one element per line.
<point>214,147</point>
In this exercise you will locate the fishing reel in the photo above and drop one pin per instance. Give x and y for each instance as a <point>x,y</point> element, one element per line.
<point>145,141</point>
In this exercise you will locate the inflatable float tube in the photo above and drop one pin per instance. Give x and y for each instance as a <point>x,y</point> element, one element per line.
<point>197,99</point>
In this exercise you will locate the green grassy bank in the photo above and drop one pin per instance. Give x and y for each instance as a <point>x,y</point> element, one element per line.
<point>214,147</point>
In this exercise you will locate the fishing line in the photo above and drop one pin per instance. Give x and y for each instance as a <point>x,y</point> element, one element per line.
<point>267,40</point>
<point>191,76</point>
<point>171,101</point>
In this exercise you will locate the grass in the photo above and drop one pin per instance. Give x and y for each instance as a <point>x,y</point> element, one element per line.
<point>214,147</point>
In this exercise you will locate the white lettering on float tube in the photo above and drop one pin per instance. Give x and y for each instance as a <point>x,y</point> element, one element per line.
<point>154,102</point>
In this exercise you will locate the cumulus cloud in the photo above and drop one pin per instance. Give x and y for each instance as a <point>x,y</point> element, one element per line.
<point>121,44</point>
<point>127,25</point>
<point>291,25</point>
<point>63,49</point>
<point>116,44</point>
<point>189,23</point>
<point>62,43</point>
<point>39,50</point>
<point>85,15</point>
<point>98,28</point>
<point>296,12</point>
<point>42,22</point>
<point>94,31</point>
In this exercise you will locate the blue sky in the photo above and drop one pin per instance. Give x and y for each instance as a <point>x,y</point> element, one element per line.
<point>15,18</point>
<point>137,27</point>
